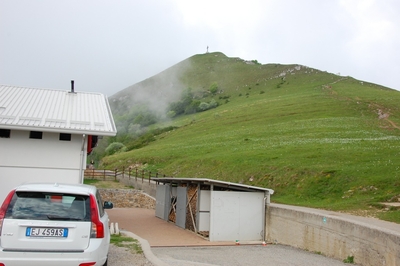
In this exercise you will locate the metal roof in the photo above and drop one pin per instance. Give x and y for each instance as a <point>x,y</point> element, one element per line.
<point>206,181</point>
<point>50,110</point>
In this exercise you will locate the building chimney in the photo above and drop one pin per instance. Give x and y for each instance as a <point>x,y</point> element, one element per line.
<point>72,86</point>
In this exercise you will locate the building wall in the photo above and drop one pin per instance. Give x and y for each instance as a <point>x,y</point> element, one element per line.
<point>35,160</point>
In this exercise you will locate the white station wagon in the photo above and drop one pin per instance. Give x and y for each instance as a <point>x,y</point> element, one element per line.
<point>54,224</point>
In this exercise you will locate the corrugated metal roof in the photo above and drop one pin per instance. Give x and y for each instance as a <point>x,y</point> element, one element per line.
<point>206,181</point>
<point>52,110</point>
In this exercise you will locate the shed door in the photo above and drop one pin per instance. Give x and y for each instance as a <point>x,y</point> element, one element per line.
<point>181,207</point>
<point>236,216</point>
<point>163,201</point>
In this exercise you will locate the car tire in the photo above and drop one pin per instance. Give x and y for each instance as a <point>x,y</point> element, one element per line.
<point>105,264</point>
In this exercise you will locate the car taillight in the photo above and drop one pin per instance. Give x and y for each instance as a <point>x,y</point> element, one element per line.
<point>84,264</point>
<point>97,226</point>
<point>4,207</point>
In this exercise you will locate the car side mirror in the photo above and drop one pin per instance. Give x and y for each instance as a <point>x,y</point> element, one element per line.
<point>108,205</point>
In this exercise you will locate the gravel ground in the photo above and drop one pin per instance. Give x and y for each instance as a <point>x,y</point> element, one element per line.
<point>120,256</point>
<point>277,255</point>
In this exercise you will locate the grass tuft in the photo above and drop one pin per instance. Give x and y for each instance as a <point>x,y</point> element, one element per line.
<point>349,259</point>
<point>88,181</point>
<point>124,241</point>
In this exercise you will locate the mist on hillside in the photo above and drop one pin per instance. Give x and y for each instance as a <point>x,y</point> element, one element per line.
<point>147,100</point>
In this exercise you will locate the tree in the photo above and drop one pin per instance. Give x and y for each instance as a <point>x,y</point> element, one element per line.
<point>184,105</point>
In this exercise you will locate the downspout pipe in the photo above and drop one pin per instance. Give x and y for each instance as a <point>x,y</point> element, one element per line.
<point>82,159</point>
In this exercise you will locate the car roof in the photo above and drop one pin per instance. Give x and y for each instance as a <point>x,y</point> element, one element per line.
<point>81,189</point>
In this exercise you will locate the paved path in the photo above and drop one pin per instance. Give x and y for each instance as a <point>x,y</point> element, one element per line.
<point>166,244</point>
<point>159,233</point>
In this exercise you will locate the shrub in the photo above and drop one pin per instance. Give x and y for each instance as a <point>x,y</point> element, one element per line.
<point>204,106</point>
<point>115,147</point>
<point>224,97</point>
<point>213,104</point>
<point>192,107</point>
<point>134,129</point>
<point>171,114</point>
<point>214,88</point>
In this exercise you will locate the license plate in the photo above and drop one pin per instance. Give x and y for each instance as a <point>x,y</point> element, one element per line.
<point>46,232</point>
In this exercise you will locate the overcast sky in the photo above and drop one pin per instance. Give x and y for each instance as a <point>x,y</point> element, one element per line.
<point>108,45</point>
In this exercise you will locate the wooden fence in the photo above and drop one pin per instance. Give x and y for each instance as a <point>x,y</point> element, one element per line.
<point>130,173</point>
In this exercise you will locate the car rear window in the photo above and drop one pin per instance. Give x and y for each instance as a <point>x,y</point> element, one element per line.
<point>49,206</point>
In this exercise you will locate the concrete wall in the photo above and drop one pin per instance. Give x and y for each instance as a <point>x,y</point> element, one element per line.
<point>39,160</point>
<point>370,241</point>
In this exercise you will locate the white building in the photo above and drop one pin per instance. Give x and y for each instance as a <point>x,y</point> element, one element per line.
<point>45,134</point>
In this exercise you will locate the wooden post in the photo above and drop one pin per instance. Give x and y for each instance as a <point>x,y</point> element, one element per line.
<point>104,174</point>
<point>136,174</point>
<point>115,174</point>
<point>142,175</point>
<point>130,169</point>
<point>123,172</point>
<point>190,209</point>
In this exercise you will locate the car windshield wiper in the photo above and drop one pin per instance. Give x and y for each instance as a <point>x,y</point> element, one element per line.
<point>61,218</point>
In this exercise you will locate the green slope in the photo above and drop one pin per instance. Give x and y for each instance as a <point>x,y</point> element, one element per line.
<point>317,139</point>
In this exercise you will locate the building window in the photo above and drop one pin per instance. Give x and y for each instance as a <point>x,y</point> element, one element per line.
<point>36,135</point>
<point>5,133</point>
<point>65,137</point>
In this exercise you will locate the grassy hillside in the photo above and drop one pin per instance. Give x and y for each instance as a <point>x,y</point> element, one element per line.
<point>316,138</point>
